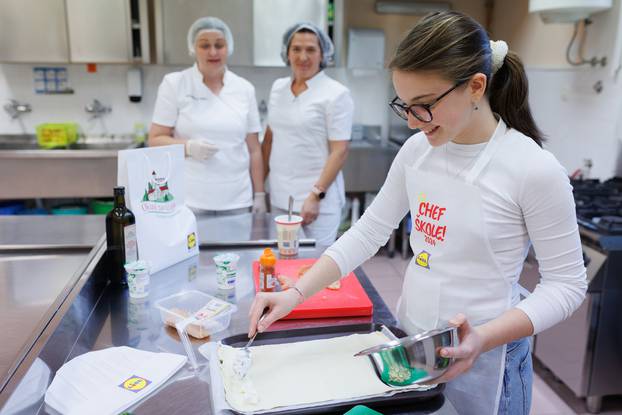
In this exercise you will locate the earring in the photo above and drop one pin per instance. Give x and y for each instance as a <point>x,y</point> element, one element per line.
<point>475,107</point>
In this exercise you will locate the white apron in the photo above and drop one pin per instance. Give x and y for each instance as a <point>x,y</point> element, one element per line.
<point>454,271</point>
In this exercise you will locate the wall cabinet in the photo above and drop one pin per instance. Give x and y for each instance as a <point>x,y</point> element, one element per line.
<point>174,17</point>
<point>74,31</point>
<point>119,31</point>
<point>33,31</point>
<point>257,26</point>
<point>271,18</point>
<point>108,31</point>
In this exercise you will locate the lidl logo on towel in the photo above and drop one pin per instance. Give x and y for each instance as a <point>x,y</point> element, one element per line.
<point>423,259</point>
<point>135,384</point>
<point>192,240</point>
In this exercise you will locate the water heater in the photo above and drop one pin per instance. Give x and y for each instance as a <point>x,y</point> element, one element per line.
<point>567,11</point>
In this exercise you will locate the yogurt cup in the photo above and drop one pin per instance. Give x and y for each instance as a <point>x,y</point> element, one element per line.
<point>226,270</point>
<point>138,279</point>
<point>287,234</point>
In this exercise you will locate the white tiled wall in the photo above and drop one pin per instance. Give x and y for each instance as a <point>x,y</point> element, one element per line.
<point>579,122</point>
<point>369,90</point>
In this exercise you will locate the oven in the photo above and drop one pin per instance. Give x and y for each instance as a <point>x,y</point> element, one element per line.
<point>585,351</point>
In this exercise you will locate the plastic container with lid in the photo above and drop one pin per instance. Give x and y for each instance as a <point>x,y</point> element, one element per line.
<point>208,315</point>
<point>267,271</point>
<point>196,314</point>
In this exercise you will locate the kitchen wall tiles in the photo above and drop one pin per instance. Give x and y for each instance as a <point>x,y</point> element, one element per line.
<point>579,122</point>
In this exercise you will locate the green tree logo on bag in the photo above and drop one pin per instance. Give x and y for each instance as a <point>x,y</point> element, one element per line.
<point>158,197</point>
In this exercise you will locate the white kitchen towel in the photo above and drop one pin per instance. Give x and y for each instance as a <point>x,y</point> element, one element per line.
<point>166,229</point>
<point>108,381</point>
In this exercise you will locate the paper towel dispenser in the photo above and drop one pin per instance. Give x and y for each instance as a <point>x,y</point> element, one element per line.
<point>366,48</point>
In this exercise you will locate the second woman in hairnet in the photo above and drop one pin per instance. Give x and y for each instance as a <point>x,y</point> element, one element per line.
<point>214,113</point>
<point>309,126</point>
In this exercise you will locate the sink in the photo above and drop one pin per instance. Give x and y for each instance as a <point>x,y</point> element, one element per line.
<point>120,142</point>
<point>103,142</point>
<point>18,145</point>
<point>367,165</point>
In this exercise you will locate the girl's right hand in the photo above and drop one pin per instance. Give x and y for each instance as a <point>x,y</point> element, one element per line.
<point>277,304</point>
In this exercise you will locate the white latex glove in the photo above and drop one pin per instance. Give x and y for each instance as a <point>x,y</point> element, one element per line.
<point>259,203</point>
<point>200,149</point>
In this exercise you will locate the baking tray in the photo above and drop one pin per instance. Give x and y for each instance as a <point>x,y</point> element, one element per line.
<point>422,402</point>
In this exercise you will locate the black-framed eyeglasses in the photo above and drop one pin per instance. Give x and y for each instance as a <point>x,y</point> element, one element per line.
<point>422,112</point>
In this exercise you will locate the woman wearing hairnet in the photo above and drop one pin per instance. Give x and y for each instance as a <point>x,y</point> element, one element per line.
<point>309,126</point>
<point>214,113</point>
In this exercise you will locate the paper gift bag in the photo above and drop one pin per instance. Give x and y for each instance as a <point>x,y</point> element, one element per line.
<point>166,229</point>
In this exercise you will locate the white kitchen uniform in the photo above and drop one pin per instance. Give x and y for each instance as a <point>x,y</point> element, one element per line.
<point>301,129</point>
<point>471,232</point>
<point>185,103</point>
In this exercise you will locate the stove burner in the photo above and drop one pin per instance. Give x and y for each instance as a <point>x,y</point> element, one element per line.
<point>610,224</point>
<point>599,205</point>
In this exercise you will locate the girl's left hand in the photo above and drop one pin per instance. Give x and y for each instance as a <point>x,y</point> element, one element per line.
<point>466,353</point>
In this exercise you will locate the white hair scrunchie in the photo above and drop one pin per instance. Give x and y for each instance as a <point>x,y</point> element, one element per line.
<point>499,50</point>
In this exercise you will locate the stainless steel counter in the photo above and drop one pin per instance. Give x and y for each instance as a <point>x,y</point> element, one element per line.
<point>57,173</point>
<point>248,229</point>
<point>32,289</point>
<point>102,316</point>
<point>54,232</point>
<point>93,172</point>
<point>50,232</point>
<point>89,169</point>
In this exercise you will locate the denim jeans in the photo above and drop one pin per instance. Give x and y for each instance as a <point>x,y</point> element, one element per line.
<point>517,379</point>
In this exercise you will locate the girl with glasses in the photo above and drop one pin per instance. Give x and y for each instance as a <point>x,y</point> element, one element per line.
<point>480,190</point>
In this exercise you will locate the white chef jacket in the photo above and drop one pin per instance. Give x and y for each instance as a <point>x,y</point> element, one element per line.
<point>185,103</point>
<point>301,127</point>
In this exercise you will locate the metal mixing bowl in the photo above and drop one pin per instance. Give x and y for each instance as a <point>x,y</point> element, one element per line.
<point>413,359</point>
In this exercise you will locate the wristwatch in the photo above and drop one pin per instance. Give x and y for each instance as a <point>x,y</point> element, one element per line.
<point>318,192</point>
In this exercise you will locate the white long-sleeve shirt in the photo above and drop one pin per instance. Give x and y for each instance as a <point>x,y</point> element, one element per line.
<point>526,197</point>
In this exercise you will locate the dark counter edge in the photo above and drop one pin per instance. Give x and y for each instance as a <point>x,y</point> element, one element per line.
<point>70,313</point>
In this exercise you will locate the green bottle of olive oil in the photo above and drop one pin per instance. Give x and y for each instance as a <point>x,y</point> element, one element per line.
<point>121,238</point>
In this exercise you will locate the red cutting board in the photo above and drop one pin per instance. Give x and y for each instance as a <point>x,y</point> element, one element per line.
<point>348,301</point>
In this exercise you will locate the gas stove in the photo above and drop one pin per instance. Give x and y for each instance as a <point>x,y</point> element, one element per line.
<point>590,362</point>
<point>599,205</point>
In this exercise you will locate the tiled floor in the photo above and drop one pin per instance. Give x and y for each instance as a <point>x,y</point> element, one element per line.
<point>550,397</point>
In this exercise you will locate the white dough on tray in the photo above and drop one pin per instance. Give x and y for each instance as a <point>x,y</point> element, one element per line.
<point>309,372</point>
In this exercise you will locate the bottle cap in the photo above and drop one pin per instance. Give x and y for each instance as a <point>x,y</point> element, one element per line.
<point>267,258</point>
<point>119,191</point>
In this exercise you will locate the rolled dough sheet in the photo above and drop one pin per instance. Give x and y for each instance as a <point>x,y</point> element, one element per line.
<point>304,373</point>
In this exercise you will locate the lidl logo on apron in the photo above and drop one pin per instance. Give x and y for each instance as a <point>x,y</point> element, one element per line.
<point>135,384</point>
<point>158,197</point>
<point>428,221</point>
<point>192,240</point>
<point>423,259</point>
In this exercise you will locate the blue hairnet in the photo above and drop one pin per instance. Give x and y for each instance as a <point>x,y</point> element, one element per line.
<point>209,23</point>
<point>328,50</point>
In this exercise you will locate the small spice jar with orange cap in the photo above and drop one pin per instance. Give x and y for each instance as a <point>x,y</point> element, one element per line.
<point>267,271</point>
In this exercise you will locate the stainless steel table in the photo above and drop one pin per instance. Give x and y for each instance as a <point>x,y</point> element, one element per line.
<point>102,316</point>
<point>60,232</point>
<point>50,232</point>
<point>31,289</point>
